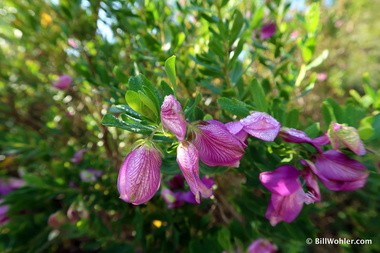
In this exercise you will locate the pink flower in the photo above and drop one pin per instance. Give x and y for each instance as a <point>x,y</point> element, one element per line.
<point>288,196</point>
<point>10,184</point>
<point>348,136</point>
<point>139,176</point>
<point>294,34</point>
<point>262,245</point>
<point>216,145</point>
<point>261,125</point>
<point>172,117</point>
<point>3,213</point>
<point>90,175</point>
<point>267,31</point>
<point>187,159</point>
<point>78,156</point>
<point>236,128</point>
<point>72,43</point>
<point>172,199</point>
<point>321,76</point>
<point>338,172</point>
<point>63,82</point>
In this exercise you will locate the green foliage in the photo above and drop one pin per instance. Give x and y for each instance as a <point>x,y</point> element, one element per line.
<point>219,68</point>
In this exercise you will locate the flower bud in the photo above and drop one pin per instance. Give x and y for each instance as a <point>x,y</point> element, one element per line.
<point>139,176</point>
<point>172,117</point>
<point>63,82</point>
<point>348,136</point>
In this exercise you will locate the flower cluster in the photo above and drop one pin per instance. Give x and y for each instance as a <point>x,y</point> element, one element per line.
<point>335,169</point>
<point>211,141</point>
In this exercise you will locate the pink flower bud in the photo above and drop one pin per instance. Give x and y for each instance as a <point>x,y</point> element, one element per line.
<point>172,117</point>
<point>261,125</point>
<point>139,176</point>
<point>216,145</point>
<point>348,136</point>
<point>78,156</point>
<point>262,245</point>
<point>187,159</point>
<point>63,82</point>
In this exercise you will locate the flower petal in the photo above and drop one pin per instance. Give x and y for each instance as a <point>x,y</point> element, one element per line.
<point>216,145</point>
<point>282,181</point>
<point>261,125</point>
<point>187,158</point>
<point>288,207</point>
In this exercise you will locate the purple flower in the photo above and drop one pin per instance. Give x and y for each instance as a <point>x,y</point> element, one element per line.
<point>8,185</point>
<point>187,159</point>
<point>172,199</point>
<point>288,196</point>
<point>90,175</point>
<point>321,76</point>
<point>262,245</point>
<point>78,156</point>
<point>77,211</point>
<point>338,172</point>
<point>139,176</point>
<point>261,125</point>
<point>177,182</point>
<point>236,128</point>
<point>216,145</point>
<point>63,82</point>
<point>348,136</point>
<point>172,117</point>
<point>3,213</point>
<point>294,136</point>
<point>267,31</point>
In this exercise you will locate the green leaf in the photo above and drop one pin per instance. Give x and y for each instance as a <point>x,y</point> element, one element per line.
<point>152,104</point>
<point>170,71</point>
<point>258,95</point>
<point>317,61</point>
<point>166,89</point>
<point>111,121</point>
<point>292,118</point>
<point>120,75</point>
<point>128,110</point>
<point>313,130</point>
<point>312,18</point>
<point>224,238</point>
<point>136,83</point>
<point>236,27</point>
<point>190,109</point>
<point>133,100</point>
<point>234,106</point>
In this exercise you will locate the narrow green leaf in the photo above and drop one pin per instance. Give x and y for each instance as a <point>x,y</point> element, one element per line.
<point>236,27</point>
<point>234,106</point>
<point>190,109</point>
<point>166,89</point>
<point>292,118</point>
<point>120,75</point>
<point>170,71</point>
<point>259,96</point>
<point>127,109</point>
<point>317,61</point>
<point>111,121</point>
